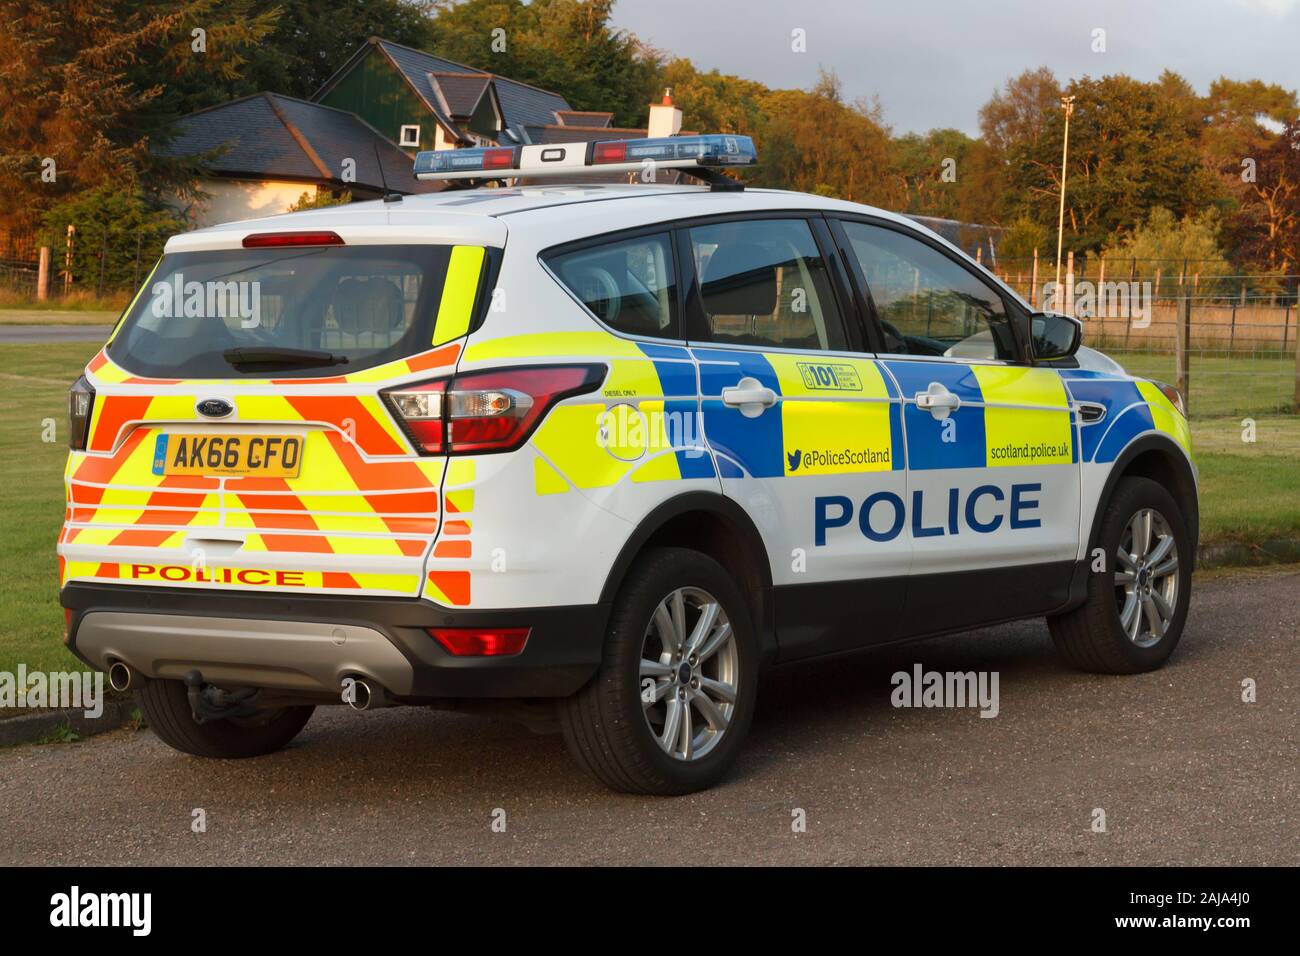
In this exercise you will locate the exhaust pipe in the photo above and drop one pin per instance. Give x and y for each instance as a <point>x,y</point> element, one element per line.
<point>366,695</point>
<point>122,677</point>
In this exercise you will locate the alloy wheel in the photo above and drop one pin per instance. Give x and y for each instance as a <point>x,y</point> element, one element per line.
<point>689,673</point>
<point>1146,577</point>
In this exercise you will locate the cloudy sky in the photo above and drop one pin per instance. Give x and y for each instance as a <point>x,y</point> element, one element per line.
<point>933,63</point>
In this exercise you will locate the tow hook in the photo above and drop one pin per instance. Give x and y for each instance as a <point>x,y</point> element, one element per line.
<point>212,703</point>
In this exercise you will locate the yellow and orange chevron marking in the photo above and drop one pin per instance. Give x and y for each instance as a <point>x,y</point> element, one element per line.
<point>361,497</point>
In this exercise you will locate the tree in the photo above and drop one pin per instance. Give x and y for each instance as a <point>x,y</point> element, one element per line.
<point>1166,242</point>
<point>84,96</point>
<point>796,152</point>
<point>1020,240</point>
<point>714,102</point>
<point>563,45</point>
<point>1130,151</point>
<point>1269,233</point>
<point>120,232</point>
<point>1021,113</point>
<point>309,44</point>
<point>930,172</point>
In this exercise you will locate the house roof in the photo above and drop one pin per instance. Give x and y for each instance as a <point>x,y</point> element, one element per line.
<point>459,93</point>
<point>563,133</point>
<point>520,102</point>
<point>270,136</point>
<point>583,117</point>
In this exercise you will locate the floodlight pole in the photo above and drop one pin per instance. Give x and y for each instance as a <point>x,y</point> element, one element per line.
<point>1067,103</point>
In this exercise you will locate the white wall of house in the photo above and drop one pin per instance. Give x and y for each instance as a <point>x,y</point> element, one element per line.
<point>232,200</point>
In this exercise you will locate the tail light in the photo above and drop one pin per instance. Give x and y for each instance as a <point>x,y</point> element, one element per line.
<point>484,412</point>
<point>481,641</point>
<point>81,402</point>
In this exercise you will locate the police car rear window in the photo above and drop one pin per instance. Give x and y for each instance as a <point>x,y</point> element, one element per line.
<point>628,284</point>
<point>286,312</point>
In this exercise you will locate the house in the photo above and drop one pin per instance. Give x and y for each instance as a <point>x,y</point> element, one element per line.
<point>268,150</point>
<point>426,102</point>
<point>362,128</point>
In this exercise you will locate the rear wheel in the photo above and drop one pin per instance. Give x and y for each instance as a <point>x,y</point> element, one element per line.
<point>166,707</point>
<point>671,703</point>
<point>1136,608</point>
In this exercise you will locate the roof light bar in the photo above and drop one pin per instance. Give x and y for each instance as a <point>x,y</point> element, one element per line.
<point>613,155</point>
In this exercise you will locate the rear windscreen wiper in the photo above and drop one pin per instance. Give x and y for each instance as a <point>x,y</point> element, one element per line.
<point>288,358</point>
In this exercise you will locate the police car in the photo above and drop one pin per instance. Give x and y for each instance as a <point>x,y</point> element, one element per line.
<point>605,451</point>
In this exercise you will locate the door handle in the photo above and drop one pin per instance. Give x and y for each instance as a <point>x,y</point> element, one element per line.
<point>938,401</point>
<point>749,395</point>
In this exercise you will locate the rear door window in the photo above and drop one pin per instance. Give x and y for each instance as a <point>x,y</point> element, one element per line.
<point>294,311</point>
<point>763,282</point>
<point>628,284</point>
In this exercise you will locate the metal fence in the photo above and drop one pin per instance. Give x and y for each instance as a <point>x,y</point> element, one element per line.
<point>97,261</point>
<point>1227,339</point>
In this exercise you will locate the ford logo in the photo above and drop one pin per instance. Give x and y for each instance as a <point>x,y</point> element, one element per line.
<point>215,408</point>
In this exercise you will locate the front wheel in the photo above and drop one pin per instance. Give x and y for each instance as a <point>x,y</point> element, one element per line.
<point>671,703</point>
<point>1137,606</point>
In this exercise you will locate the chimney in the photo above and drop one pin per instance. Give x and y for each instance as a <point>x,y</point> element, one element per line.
<point>665,119</point>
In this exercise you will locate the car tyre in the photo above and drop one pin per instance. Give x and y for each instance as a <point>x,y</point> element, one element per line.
<point>670,705</point>
<point>166,708</point>
<point>1135,609</point>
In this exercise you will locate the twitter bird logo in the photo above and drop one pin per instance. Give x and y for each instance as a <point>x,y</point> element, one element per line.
<point>794,458</point>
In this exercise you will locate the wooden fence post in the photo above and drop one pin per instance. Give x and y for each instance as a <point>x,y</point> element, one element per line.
<point>1069,284</point>
<point>1182,347</point>
<point>1033,281</point>
<point>67,261</point>
<point>43,276</point>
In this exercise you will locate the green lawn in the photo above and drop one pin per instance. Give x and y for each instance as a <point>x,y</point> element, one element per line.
<point>1250,491</point>
<point>1244,384</point>
<point>58,316</point>
<point>33,388</point>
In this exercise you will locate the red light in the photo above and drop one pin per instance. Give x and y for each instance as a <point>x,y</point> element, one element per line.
<point>503,158</point>
<point>262,239</point>
<point>481,641</point>
<point>613,152</point>
<point>67,624</point>
<point>486,411</point>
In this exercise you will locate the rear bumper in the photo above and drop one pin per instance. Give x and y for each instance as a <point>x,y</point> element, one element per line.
<point>309,643</point>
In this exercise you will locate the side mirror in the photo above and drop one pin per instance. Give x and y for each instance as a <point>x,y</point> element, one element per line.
<point>1053,336</point>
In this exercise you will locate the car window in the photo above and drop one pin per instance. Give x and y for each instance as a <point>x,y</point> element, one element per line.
<point>628,284</point>
<point>763,282</point>
<point>927,303</point>
<point>364,305</point>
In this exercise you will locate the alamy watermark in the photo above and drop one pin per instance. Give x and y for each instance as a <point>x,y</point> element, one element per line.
<point>64,690</point>
<point>922,688</point>
<point>177,298</point>
<point>1124,299</point>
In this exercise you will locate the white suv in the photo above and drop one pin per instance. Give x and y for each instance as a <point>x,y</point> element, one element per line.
<point>606,450</point>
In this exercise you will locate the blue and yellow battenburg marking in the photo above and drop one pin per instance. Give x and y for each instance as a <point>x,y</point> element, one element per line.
<point>1132,408</point>
<point>643,425</point>
<point>1009,416</point>
<point>837,416</point>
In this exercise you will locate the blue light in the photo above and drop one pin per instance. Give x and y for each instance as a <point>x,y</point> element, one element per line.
<point>456,160</point>
<point>711,150</point>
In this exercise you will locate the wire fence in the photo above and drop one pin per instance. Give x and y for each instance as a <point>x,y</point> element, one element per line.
<point>1226,338</point>
<point>99,261</point>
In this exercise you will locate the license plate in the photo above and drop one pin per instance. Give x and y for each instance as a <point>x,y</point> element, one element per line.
<point>267,456</point>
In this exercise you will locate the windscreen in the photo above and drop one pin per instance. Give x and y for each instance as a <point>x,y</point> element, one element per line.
<point>245,313</point>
